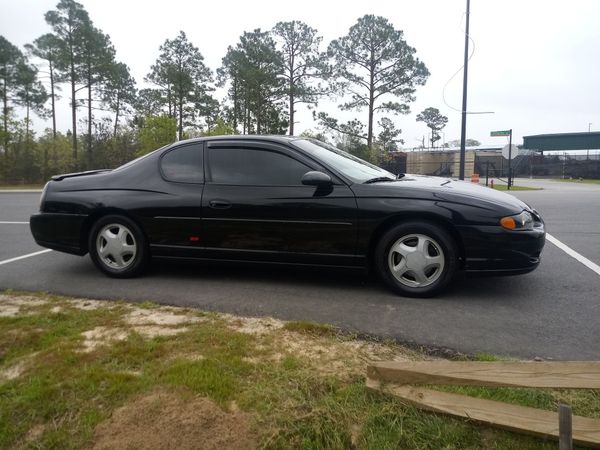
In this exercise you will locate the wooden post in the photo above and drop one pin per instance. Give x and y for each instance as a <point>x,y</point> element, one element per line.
<point>565,427</point>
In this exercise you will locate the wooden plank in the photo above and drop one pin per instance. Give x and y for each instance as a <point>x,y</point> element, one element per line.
<point>565,374</point>
<point>514,418</point>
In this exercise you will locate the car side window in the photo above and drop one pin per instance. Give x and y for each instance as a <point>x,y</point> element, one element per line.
<point>183,164</point>
<point>254,167</point>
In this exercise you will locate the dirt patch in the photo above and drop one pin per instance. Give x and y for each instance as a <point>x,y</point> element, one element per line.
<point>186,356</point>
<point>332,356</point>
<point>22,300</point>
<point>166,420</point>
<point>90,305</point>
<point>151,331</point>
<point>8,310</point>
<point>11,306</point>
<point>34,433</point>
<point>253,325</point>
<point>101,336</point>
<point>159,316</point>
<point>12,372</point>
<point>108,335</point>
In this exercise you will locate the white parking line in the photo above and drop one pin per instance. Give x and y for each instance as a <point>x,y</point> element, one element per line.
<point>569,251</point>
<point>29,255</point>
<point>14,223</point>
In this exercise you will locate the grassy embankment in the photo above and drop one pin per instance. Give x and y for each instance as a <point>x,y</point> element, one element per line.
<point>83,373</point>
<point>577,180</point>
<point>504,187</point>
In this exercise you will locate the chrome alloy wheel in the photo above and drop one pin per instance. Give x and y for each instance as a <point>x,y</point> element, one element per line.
<point>416,260</point>
<point>116,246</point>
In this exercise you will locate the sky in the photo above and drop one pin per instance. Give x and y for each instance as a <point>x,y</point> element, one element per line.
<point>535,65</point>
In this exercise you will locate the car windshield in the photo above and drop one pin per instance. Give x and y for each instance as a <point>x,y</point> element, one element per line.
<point>348,165</point>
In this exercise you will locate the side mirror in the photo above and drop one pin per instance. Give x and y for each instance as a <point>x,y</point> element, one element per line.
<point>316,178</point>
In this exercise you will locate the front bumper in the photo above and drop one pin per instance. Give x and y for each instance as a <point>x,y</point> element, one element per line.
<point>62,232</point>
<point>492,250</point>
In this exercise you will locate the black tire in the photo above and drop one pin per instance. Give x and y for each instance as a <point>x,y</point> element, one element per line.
<point>440,264</point>
<point>129,262</point>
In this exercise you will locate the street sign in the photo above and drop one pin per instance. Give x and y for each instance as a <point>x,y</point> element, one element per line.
<point>512,149</point>
<point>501,133</point>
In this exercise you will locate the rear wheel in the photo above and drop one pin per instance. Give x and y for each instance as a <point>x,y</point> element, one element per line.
<point>416,259</point>
<point>118,247</point>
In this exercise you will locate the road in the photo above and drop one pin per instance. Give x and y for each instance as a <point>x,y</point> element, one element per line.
<point>553,312</point>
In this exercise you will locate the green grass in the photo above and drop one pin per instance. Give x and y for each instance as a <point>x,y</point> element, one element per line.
<point>295,403</point>
<point>577,180</point>
<point>11,187</point>
<point>311,328</point>
<point>504,187</point>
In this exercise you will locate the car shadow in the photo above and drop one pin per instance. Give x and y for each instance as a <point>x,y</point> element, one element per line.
<point>219,271</point>
<point>463,287</point>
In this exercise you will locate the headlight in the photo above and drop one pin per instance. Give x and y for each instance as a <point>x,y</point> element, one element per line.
<point>523,221</point>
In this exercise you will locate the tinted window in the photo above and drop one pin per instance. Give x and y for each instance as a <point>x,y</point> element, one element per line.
<point>254,167</point>
<point>184,164</point>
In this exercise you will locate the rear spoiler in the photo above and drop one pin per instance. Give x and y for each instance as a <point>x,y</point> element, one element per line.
<point>78,174</point>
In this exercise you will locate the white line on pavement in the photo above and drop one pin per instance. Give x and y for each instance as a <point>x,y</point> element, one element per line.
<point>569,251</point>
<point>7,261</point>
<point>14,223</point>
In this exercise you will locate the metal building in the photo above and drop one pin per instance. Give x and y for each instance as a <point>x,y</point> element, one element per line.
<point>562,141</point>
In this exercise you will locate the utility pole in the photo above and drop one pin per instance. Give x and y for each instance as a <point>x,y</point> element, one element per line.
<point>463,127</point>
<point>509,160</point>
<point>589,131</point>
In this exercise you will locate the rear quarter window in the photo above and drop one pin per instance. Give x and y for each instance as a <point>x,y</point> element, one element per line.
<point>183,164</point>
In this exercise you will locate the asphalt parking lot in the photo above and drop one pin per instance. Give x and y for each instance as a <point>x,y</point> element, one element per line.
<point>553,312</point>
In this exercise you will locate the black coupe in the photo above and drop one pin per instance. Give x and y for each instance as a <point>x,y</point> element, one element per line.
<point>286,200</point>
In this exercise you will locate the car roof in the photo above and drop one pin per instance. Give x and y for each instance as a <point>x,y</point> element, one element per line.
<point>243,137</point>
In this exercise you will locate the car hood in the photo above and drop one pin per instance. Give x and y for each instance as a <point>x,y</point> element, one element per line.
<point>449,190</point>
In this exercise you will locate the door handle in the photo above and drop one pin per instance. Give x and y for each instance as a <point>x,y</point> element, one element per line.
<point>219,204</point>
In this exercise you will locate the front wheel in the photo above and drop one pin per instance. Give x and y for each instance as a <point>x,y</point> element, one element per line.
<point>118,247</point>
<point>416,259</point>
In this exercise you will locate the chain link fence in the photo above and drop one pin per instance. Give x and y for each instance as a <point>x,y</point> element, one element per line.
<point>528,164</point>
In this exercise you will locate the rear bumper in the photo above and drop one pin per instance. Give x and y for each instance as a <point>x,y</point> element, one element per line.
<point>62,232</point>
<point>492,250</point>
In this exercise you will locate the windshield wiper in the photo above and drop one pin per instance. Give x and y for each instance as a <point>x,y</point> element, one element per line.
<point>378,179</point>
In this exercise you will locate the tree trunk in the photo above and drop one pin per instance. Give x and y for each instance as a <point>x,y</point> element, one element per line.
<point>117,116</point>
<point>73,101</point>
<point>371,103</point>
<point>245,114</point>
<point>52,100</point>
<point>89,136</point>
<point>291,88</point>
<point>169,100</point>
<point>236,105</point>
<point>180,118</point>
<point>27,120</point>
<point>258,115</point>
<point>5,113</point>
<point>291,113</point>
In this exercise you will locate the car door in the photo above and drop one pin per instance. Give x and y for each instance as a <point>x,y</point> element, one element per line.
<point>176,224</point>
<point>255,207</point>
